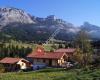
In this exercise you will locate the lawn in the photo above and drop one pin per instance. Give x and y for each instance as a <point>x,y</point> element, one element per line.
<point>53,74</point>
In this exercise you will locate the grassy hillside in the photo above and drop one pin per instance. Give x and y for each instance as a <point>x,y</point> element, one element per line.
<point>53,74</point>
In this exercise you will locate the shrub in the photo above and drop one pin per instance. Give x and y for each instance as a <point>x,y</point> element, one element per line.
<point>2,69</point>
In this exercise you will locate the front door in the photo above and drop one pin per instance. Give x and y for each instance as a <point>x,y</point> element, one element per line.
<point>50,62</point>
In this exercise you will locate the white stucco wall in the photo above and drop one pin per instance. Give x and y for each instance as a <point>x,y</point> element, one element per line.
<point>22,65</point>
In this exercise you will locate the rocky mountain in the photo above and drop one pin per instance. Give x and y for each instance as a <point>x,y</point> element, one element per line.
<point>93,30</point>
<point>19,25</point>
<point>11,15</point>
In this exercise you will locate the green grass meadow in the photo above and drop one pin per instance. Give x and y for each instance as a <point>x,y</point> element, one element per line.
<point>53,74</point>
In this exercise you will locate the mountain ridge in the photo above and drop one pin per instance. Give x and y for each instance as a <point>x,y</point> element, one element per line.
<point>20,25</point>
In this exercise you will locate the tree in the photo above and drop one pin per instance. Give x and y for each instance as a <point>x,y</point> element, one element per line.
<point>78,56</point>
<point>83,42</point>
<point>60,46</point>
<point>66,45</point>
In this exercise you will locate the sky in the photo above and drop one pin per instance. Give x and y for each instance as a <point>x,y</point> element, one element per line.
<point>74,11</point>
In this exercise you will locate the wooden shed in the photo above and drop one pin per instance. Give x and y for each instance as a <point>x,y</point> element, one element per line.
<point>10,63</point>
<point>14,64</point>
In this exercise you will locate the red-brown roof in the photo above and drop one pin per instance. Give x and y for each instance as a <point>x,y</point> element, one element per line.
<point>68,50</point>
<point>0,58</point>
<point>9,60</point>
<point>50,55</point>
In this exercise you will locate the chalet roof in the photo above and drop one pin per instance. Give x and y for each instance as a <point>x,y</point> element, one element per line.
<point>9,60</point>
<point>49,55</point>
<point>0,58</point>
<point>68,50</point>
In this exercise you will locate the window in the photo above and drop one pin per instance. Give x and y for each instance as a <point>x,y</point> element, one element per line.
<point>44,60</point>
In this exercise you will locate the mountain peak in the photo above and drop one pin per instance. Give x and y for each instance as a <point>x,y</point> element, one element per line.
<point>9,9</point>
<point>53,17</point>
<point>11,15</point>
